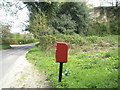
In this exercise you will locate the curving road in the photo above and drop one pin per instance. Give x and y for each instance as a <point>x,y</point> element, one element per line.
<point>8,57</point>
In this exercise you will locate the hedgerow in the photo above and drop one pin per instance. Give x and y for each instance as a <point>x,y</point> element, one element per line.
<point>74,41</point>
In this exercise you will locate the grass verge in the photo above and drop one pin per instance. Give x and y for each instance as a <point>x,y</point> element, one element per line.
<point>4,47</point>
<point>86,68</point>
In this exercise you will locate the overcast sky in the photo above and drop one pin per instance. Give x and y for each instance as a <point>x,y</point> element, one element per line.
<point>22,16</point>
<point>16,20</point>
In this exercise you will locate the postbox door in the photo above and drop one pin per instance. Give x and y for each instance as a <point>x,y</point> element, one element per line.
<point>61,52</point>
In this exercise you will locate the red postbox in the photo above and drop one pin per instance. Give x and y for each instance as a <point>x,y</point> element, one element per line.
<point>61,52</point>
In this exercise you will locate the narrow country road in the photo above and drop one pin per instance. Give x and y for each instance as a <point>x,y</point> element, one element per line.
<point>9,57</point>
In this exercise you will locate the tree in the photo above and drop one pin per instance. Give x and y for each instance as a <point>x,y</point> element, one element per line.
<point>38,25</point>
<point>63,24</point>
<point>79,13</point>
<point>65,18</point>
<point>5,34</point>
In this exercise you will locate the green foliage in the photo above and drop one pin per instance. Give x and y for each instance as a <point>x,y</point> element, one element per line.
<point>38,25</point>
<point>16,38</point>
<point>70,18</point>
<point>5,34</point>
<point>79,13</point>
<point>63,24</point>
<point>22,38</point>
<point>65,18</point>
<point>84,70</point>
<point>99,29</point>
<point>49,41</point>
<point>105,21</point>
<point>7,38</point>
<point>115,27</point>
<point>103,29</point>
<point>4,47</point>
<point>26,41</point>
<point>74,41</point>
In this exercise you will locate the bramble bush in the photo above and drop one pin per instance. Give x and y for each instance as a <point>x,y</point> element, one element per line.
<point>74,41</point>
<point>98,29</point>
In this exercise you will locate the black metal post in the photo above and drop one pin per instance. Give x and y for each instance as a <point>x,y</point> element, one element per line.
<point>60,71</point>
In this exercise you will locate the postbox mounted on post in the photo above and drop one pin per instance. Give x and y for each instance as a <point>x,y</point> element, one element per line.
<point>61,52</point>
<point>61,56</point>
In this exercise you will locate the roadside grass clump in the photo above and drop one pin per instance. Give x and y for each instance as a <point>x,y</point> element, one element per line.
<point>4,47</point>
<point>83,70</point>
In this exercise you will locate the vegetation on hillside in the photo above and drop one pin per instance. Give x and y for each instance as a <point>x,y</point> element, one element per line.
<point>72,18</point>
<point>75,41</point>
<point>104,21</point>
<point>17,38</point>
<point>68,18</point>
<point>7,38</point>
<point>65,18</point>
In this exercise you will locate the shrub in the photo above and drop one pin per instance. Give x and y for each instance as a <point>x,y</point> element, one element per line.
<point>26,41</point>
<point>75,41</point>
<point>46,42</point>
<point>99,29</point>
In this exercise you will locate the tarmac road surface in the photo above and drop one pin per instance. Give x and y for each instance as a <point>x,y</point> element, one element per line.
<point>8,58</point>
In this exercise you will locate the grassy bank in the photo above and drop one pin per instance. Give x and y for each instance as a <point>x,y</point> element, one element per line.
<point>4,47</point>
<point>89,66</point>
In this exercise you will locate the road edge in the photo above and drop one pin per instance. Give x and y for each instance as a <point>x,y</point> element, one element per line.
<point>4,81</point>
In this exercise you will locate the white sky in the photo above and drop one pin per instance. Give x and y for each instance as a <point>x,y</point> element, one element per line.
<point>18,23</point>
<point>22,16</point>
<point>17,20</point>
